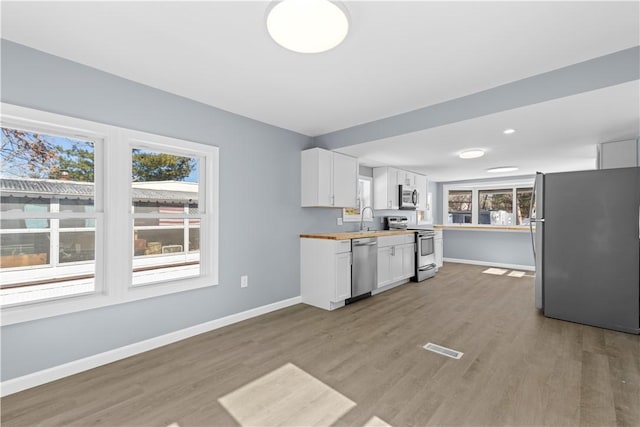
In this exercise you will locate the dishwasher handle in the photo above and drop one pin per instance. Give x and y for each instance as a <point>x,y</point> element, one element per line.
<point>365,244</point>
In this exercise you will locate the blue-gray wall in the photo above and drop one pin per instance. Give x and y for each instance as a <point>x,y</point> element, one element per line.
<point>501,247</point>
<point>260,213</point>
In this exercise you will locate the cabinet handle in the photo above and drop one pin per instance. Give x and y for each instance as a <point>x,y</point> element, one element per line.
<point>393,251</point>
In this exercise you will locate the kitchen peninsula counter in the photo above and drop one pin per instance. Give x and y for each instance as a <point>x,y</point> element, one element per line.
<point>355,234</point>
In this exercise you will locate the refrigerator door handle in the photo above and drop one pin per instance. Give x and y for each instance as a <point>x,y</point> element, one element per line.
<point>531,220</point>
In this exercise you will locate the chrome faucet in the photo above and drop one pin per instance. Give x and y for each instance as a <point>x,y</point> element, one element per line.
<point>362,216</point>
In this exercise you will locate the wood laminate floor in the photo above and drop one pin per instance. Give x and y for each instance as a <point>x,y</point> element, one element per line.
<point>518,369</point>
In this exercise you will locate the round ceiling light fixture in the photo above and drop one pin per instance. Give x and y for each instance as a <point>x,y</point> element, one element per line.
<point>508,131</point>
<point>307,26</point>
<point>471,154</point>
<point>502,169</point>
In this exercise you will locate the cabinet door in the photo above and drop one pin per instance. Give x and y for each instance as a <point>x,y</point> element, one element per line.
<point>342,286</point>
<point>438,248</point>
<point>345,181</point>
<point>408,260</point>
<point>421,186</point>
<point>392,189</point>
<point>384,267</point>
<point>316,183</point>
<point>397,272</point>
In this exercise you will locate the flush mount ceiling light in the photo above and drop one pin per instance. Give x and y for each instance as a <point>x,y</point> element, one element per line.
<point>508,131</point>
<point>471,154</point>
<point>502,169</point>
<point>307,26</point>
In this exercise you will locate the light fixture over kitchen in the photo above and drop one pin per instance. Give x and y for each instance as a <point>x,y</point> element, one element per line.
<point>471,154</point>
<point>307,26</point>
<point>502,169</point>
<point>508,131</point>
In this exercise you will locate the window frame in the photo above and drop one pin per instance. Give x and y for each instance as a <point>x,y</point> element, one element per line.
<point>347,213</point>
<point>475,187</point>
<point>113,211</point>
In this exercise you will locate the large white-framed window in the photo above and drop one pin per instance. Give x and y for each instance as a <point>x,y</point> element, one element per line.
<point>111,215</point>
<point>497,203</point>
<point>51,228</point>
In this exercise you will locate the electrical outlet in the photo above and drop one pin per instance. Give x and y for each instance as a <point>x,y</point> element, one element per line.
<point>244,281</point>
<point>339,221</point>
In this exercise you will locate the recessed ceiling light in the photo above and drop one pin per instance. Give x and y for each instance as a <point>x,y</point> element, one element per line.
<point>508,131</point>
<point>307,26</point>
<point>503,169</point>
<point>471,154</point>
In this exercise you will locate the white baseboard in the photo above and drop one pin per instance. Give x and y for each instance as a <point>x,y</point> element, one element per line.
<point>492,264</point>
<point>34,379</point>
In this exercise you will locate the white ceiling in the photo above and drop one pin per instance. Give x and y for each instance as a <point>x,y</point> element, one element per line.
<point>398,56</point>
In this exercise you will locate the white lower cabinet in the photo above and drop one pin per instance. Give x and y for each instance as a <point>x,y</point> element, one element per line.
<point>384,266</point>
<point>325,272</point>
<point>396,259</point>
<point>342,289</point>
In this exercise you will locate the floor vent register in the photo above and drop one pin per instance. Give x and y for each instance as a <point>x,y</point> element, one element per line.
<point>454,354</point>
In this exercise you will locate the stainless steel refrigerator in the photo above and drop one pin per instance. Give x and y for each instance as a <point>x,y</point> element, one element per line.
<point>587,247</point>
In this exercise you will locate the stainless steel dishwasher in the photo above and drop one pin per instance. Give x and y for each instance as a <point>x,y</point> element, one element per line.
<point>364,271</point>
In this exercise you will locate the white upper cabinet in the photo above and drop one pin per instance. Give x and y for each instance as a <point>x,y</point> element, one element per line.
<point>619,154</point>
<point>385,188</point>
<point>407,178</point>
<point>386,191</point>
<point>329,179</point>
<point>421,186</point>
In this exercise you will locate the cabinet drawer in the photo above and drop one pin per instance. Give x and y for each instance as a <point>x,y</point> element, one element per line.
<point>342,246</point>
<point>384,241</point>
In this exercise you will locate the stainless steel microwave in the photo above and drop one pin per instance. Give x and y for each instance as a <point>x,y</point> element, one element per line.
<point>407,197</point>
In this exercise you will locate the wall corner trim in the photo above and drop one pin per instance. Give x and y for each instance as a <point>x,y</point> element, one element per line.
<point>44,376</point>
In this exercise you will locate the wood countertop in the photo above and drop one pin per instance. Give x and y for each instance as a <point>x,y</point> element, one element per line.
<point>356,234</point>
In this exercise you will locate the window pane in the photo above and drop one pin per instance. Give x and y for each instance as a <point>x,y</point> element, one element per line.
<point>77,206</point>
<point>495,206</point>
<point>77,246</point>
<point>18,205</point>
<point>24,249</point>
<point>159,241</point>
<point>24,204</point>
<point>194,239</point>
<point>41,174</point>
<point>159,208</point>
<point>460,206</point>
<point>523,205</point>
<point>163,179</point>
